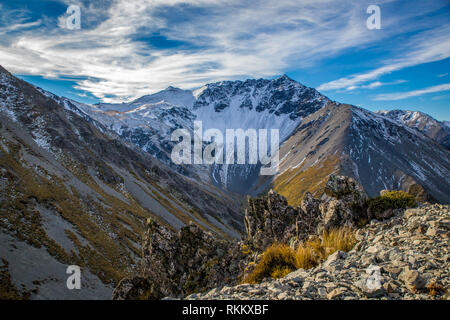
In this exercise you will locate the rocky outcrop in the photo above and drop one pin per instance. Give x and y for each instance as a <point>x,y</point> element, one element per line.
<point>178,263</point>
<point>270,219</point>
<point>404,257</point>
<point>193,261</point>
<point>347,190</point>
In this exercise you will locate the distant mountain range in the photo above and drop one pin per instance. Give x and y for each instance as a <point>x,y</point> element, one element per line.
<point>436,130</point>
<point>78,181</point>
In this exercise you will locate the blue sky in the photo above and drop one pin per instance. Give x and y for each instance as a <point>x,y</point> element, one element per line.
<point>126,49</point>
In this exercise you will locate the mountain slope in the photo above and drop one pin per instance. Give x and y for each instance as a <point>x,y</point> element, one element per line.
<point>318,137</point>
<point>376,150</point>
<point>252,104</point>
<point>71,192</point>
<point>436,130</point>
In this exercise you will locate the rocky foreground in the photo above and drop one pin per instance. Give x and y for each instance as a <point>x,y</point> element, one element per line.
<point>404,257</point>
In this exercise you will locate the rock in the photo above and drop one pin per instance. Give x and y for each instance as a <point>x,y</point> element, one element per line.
<point>412,279</point>
<point>335,213</point>
<point>419,193</point>
<point>346,189</point>
<point>135,288</point>
<point>336,293</point>
<point>282,296</point>
<point>390,287</point>
<point>412,212</point>
<point>322,292</point>
<point>270,219</point>
<point>333,258</point>
<point>179,263</point>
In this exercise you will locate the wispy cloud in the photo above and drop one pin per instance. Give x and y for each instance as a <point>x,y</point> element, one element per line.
<point>220,40</point>
<point>375,84</point>
<point>414,93</point>
<point>427,47</point>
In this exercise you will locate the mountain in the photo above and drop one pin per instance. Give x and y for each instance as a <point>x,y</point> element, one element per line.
<point>73,193</point>
<point>436,130</point>
<point>318,137</point>
<point>376,150</point>
<point>78,182</point>
<point>148,122</point>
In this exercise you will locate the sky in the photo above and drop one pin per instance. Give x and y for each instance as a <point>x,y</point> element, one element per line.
<point>126,49</point>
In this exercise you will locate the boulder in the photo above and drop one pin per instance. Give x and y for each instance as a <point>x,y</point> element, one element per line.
<point>347,190</point>
<point>269,219</point>
<point>412,279</point>
<point>335,214</point>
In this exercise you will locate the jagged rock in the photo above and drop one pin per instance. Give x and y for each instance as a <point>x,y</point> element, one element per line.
<point>335,213</point>
<point>344,203</point>
<point>346,189</point>
<point>310,216</point>
<point>135,288</point>
<point>270,219</point>
<point>179,263</point>
<point>419,193</point>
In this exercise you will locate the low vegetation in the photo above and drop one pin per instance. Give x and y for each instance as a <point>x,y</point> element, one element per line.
<point>391,200</point>
<point>292,184</point>
<point>279,259</point>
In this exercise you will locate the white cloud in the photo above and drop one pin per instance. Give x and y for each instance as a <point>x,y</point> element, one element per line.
<point>427,47</point>
<point>231,40</point>
<point>414,93</point>
<point>375,84</point>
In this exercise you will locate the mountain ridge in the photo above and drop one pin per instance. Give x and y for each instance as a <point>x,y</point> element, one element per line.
<point>284,104</point>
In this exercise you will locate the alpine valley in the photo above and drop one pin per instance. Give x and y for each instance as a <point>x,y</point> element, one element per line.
<point>79,182</point>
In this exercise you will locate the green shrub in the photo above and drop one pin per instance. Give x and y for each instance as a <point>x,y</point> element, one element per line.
<point>391,200</point>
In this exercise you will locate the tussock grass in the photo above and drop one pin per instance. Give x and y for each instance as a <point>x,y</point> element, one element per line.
<point>279,259</point>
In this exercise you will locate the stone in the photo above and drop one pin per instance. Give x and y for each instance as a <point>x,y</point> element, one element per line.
<point>412,279</point>
<point>269,219</point>
<point>346,189</point>
<point>177,263</point>
<point>322,292</point>
<point>334,257</point>
<point>336,293</point>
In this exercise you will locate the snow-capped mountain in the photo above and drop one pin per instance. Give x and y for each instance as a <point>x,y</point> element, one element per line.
<point>314,133</point>
<point>436,130</point>
<point>252,104</point>
<point>317,137</point>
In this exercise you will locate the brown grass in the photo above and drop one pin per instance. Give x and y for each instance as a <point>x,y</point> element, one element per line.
<point>292,184</point>
<point>279,259</point>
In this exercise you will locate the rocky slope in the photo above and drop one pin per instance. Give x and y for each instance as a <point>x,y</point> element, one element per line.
<point>72,192</point>
<point>404,257</point>
<point>176,264</point>
<point>436,130</point>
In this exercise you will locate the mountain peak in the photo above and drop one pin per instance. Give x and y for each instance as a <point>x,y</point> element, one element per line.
<point>285,77</point>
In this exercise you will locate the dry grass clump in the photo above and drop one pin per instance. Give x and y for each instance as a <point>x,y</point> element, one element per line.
<point>435,289</point>
<point>277,261</point>
<point>280,259</point>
